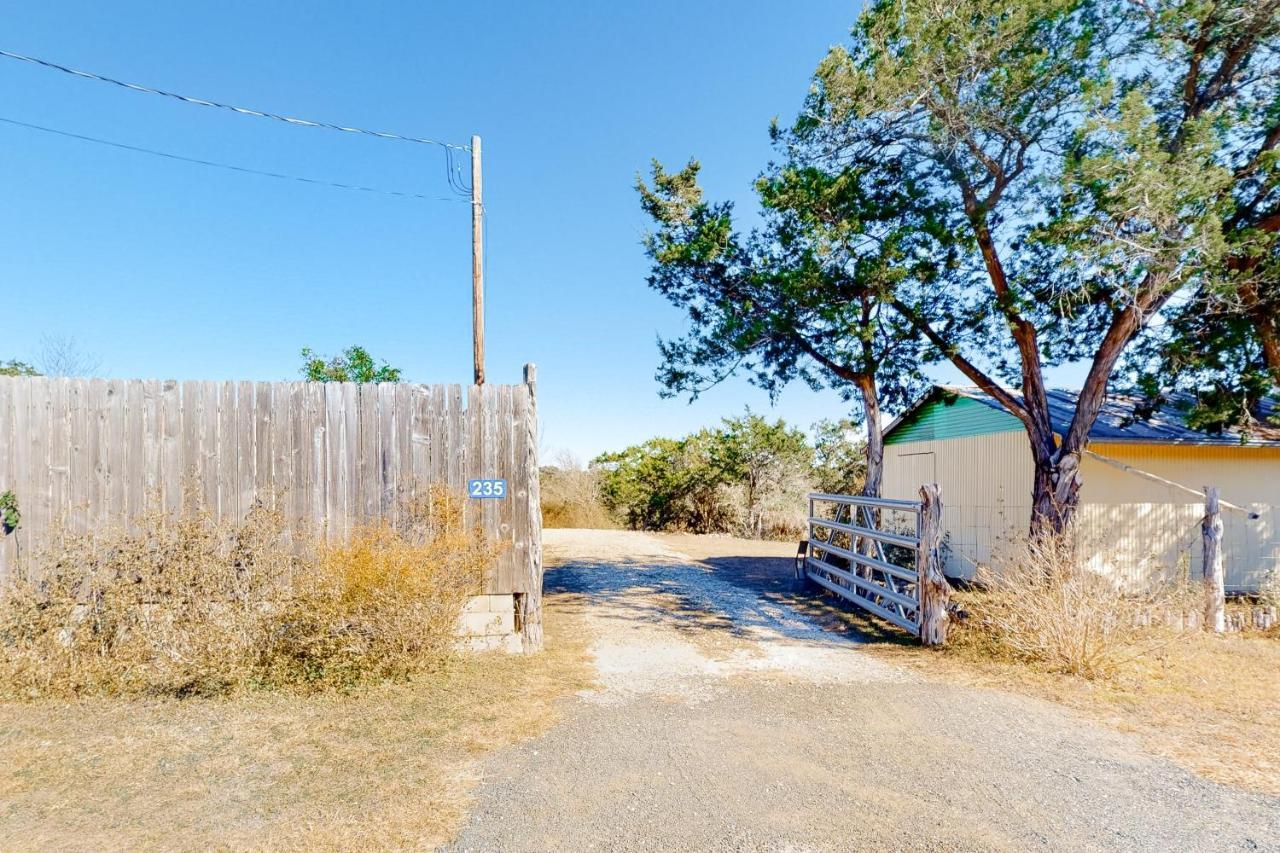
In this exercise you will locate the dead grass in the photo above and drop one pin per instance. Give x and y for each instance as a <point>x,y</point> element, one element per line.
<point>389,766</point>
<point>1040,604</point>
<point>193,606</point>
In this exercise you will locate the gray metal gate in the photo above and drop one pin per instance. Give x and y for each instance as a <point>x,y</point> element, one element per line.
<point>867,551</point>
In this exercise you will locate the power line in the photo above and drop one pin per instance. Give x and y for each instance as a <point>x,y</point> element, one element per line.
<point>89,75</point>
<point>210,163</point>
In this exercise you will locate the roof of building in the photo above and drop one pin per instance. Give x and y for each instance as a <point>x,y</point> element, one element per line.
<point>1118,421</point>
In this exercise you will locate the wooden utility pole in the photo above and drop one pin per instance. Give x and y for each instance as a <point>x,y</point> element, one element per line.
<point>477,262</point>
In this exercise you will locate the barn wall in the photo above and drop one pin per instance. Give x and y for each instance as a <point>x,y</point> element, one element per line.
<point>986,490</point>
<point>1137,526</point>
<point>1154,527</point>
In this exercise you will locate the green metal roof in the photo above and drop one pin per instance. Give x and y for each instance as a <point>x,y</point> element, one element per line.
<point>955,417</point>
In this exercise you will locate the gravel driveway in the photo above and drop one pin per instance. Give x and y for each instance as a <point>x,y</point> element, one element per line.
<point>727,722</point>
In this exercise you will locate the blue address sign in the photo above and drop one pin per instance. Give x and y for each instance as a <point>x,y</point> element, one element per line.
<point>481,489</point>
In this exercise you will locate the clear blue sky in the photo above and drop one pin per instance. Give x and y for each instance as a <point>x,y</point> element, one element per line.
<point>173,270</point>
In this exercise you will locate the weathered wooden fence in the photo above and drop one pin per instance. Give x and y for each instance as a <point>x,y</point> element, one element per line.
<point>86,452</point>
<point>856,551</point>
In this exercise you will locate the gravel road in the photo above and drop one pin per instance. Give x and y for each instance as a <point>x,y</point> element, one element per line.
<point>724,721</point>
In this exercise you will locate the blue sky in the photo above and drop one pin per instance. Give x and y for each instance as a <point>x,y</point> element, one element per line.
<point>173,270</point>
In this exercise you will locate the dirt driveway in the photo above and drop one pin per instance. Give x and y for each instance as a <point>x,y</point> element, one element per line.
<point>726,720</point>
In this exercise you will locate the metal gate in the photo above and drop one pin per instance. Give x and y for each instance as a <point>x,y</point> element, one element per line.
<point>867,551</point>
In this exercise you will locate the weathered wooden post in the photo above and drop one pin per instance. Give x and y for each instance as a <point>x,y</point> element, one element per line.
<point>932,584</point>
<point>1214,579</point>
<point>531,616</point>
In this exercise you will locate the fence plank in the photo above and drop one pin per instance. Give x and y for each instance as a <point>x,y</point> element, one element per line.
<point>134,472</point>
<point>531,606</point>
<point>367,459</point>
<point>171,464</point>
<point>37,444</point>
<point>246,460</point>
<point>81,457</point>
<point>1214,578</point>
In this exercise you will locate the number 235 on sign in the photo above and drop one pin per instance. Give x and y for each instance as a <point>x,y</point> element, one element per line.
<point>487,488</point>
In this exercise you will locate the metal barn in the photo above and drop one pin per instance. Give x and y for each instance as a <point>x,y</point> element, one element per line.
<point>1141,501</point>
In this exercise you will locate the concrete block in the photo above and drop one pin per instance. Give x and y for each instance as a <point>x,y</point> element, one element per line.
<point>509,643</point>
<point>487,624</point>
<point>490,604</point>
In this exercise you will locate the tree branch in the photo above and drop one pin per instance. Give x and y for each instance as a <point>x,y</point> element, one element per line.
<point>968,368</point>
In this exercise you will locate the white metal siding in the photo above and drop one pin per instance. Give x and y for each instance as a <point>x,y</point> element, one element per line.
<point>986,491</point>
<point>1137,527</point>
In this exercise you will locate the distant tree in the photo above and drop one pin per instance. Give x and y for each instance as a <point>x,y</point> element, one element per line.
<point>770,461</point>
<point>353,365</point>
<point>13,367</point>
<point>62,356</point>
<point>714,480</point>
<point>839,457</point>
<point>666,483</point>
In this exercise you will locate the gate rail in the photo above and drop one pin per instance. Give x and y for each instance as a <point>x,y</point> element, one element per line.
<point>893,574</point>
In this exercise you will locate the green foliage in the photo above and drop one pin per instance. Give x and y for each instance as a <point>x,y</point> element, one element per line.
<point>839,457</point>
<point>806,297</point>
<point>352,365</point>
<point>12,367</point>
<point>747,476</point>
<point>666,484</point>
<point>1216,97</point>
<point>10,517</point>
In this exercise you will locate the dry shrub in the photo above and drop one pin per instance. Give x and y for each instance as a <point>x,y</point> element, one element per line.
<point>182,606</point>
<point>570,496</point>
<point>382,603</point>
<point>1044,605</point>
<point>1269,591</point>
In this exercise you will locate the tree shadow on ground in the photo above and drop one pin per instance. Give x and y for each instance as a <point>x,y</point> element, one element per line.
<point>735,596</point>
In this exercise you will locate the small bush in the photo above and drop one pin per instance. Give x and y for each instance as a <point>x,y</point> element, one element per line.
<point>181,606</point>
<point>1042,604</point>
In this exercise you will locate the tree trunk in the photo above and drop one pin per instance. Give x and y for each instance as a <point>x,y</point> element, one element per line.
<point>1055,494</point>
<point>1263,317</point>
<point>875,465</point>
<point>875,436</point>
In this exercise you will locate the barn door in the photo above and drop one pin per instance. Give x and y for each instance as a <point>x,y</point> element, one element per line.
<point>917,470</point>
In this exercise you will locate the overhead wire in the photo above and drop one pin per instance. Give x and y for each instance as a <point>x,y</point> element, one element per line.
<point>453,172</point>
<point>210,163</point>
<point>302,122</point>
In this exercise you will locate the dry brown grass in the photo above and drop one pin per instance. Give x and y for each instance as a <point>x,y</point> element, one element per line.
<point>192,606</point>
<point>1040,604</point>
<point>388,766</point>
